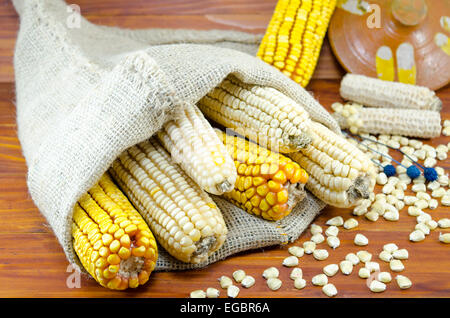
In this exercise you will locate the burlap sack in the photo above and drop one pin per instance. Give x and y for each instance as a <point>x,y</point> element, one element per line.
<point>85,94</point>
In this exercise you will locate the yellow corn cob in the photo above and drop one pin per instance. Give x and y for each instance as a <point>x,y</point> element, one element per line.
<point>111,239</point>
<point>184,219</point>
<point>339,173</point>
<point>269,184</point>
<point>278,121</point>
<point>294,37</point>
<point>195,147</point>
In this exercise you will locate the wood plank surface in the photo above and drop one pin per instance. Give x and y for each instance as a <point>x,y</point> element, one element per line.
<point>32,263</point>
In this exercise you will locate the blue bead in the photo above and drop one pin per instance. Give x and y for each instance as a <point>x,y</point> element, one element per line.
<point>430,174</point>
<point>389,170</point>
<point>413,172</point>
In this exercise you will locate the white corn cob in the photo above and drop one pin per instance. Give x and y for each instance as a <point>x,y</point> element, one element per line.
<point>388,121</point>
<point>378,93</point>
<point>195,147</point>
<point>339,173</point>
<point>261,113</point>
<point>183,218</point>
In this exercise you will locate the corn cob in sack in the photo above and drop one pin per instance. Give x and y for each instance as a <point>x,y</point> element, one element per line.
<point>87,93</point>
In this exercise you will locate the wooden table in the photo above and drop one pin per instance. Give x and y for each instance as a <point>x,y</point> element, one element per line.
<point>32,264</point>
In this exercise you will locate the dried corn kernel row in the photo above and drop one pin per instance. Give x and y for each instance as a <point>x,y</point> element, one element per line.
<point>263,113</point>
<point>339,173</point>
<point>195,147</point>
<point>404,122</point>
<point>378,93</point>
<point>269,184</point>
<point>294,37</point>
<point>184,219</point>
<point>111,239</point>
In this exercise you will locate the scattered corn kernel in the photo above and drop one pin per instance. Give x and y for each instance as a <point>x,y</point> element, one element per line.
<point>377,287</point>
<point>352,258</point>
<point>299,283</point>
<point>346,267</point>
<point>320,254</point>
<point>320,280</point>
<point>350,224</point>
<point>296,251</point>
<point>315,229</point>
<point>274,283</point>
<point>331,270</point>
<point>239,275</point>
<point>401,254</point>
<point>248,281</point>
<point>384,277</point>
<point>309,247</point>
<point>296,273</point>
<point>198,294</point>
<point>364,273</point>
<point>329,290</point>
<point>271,272</point>
<point>233,291</point>
<point>403,282</point>
<point>396,265</point>
<point>361,240</point>
<point>225,282</point>
<point>444,223</point>
<point>332,231</point>
<point>212,293</point>
<point>444,238</point>
<point>372,266</point>
<point>336,221</point>
<point>385,256</point>
<point>416,236</point>
<point>318,238</point>
<point>364,256</point>
<point>290,261</point>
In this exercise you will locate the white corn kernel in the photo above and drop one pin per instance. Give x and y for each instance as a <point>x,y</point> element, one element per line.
<point>350,224</point>
<point>372,216</point>
<point>296,251</point>
<point>423,217</point>
<point>390,247</point>
<point>361,240</point>
<point>381,178</point>
<point>296,273</point>
<point>274,283</point>
<point>364,256</point>
<point>403,282</point>
<point>444,223</point>
<point>290,261</point>
<point>359,210</point>
<point>401,254</point>
<point>414,211</point>
<point>225,282</point>
<point>396,265</point>
<point>332,231</point>
<point>248,281</point>
<point>309,247</point>
<point>239,275</point>
<point>443,180</point>
<point>317,238</point>
<point>421,204</point>
<point>198,294</point>
<point>372,266</point>
<point>331,270</point>
<point>329,290</point>
<point>320,280</point>
<point>384,277</point>
<point>212,293</point>
<point>399,205</point>
<point>438,193</point>
<point>315,229</point>
<point>333,242</point>
<point>433,185</point>
<point>388,188</point>
<point>385,256</point>
<point>433,204</point>
<point>419,187</point>
<point>352,258</point>
<point>423,196</point>
<point>364,273</point>
<point>320,254</point>
<point>346,267</point>
<point>429,162</point>
<point>445,200</point>
<point>410,200</point>
<point>432,224</point>
<point>440,155</point>
<point>416,236</point>
<point>377,287</point>
<point>422,227</point>
<point>271,272</point>
<point>336,221</point>
<point>299,283</point>
<point>233,291</point>
<point>444,238</point>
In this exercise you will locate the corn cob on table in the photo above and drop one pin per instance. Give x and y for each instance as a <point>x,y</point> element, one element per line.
<point>33,264</point>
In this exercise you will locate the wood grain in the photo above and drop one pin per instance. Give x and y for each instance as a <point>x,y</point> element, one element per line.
<point>32,263</point>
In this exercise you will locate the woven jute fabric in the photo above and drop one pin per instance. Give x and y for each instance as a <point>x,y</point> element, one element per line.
<point>86,93</point>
